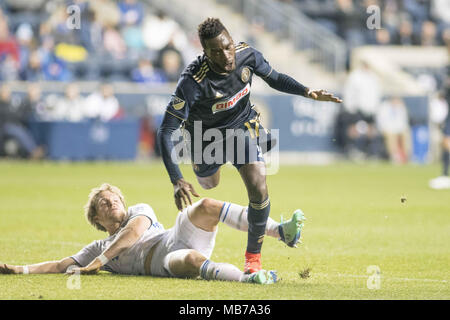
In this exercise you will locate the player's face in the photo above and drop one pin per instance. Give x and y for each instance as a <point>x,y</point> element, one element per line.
<point>221,52</point>
<point>110,208</point>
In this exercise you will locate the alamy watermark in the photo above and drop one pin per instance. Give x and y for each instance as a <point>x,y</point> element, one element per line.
<point>374,20</point>
<point>73,21</point>
<point>74,280</point>
<point>374,280</point>
<point>237,146</point>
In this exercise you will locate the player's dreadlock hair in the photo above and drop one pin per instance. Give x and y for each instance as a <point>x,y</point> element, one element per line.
<point>210,28</point>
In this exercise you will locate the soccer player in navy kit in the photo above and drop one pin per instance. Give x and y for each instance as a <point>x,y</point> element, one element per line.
<point>214,90</point>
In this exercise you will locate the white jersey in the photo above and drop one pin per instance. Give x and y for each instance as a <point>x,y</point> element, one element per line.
<point>130,261</point>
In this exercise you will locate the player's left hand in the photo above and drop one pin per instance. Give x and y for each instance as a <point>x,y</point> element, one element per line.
<point>322,95</point>
<point>91,268</point>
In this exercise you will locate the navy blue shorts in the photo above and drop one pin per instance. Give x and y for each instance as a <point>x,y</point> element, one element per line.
<point>245,145</point>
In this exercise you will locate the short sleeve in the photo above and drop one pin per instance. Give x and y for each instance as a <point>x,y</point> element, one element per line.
<point>88,253</point>
<point>261,68</point>
<point>183,98</point>
<point>142,209</point>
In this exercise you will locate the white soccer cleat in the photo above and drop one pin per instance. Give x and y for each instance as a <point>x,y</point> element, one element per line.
<point>440,183</point>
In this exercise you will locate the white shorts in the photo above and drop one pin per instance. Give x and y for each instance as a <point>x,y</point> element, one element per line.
<point>183,235</point>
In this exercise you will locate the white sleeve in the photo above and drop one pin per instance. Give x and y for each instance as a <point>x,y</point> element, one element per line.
<point>142,209</point>
<point>88,253</point>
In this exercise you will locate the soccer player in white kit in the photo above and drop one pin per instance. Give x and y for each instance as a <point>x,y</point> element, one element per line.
<point>139,245</point>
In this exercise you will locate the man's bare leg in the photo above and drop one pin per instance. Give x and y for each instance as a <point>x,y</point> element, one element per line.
<point>209,182</point>
<point>207,213</point>
<point>189,263</point>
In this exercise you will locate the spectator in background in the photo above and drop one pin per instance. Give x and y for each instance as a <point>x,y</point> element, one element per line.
<point>35,102</point>
<point>53,68</point>
<point>404,35</point>
<point>362,95</point>
<point>24,36</point>
<point>133,38</point>
<point>14,118</point>
<point>146,73</point>
<point>56,69</point>
<point>390,15</point>
<point>131,12</point>
<point>440,11</point>
<point>102,104</point>
<point>92,32</point>
<point>445,37</point>
<point>171,61</point>
<point>160,30</point>
<point>418,9</point>
<point>38,111</point>
<point>9,51</point>
<point>382,37</point>
<point>428,35</point>
<point>114,43</point>
<point>71,106</point>
<point>33,69</point>
<point>393,123</point>
<point>350,21</point>
<point>438,112</point>
<point>132,15</point>
<point>106,12</point>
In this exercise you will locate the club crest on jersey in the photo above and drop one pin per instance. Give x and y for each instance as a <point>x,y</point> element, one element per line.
<point>245,74</point>
<point>177,103</point>
<point>231,103</point>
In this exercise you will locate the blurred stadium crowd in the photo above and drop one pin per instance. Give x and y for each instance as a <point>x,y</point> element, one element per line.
<point>369,126</point>
<point>404,22</point>
<point>120,41</point>
<point>129,41</point>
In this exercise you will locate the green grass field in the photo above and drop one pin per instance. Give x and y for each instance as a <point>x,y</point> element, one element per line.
<point>355,220</point>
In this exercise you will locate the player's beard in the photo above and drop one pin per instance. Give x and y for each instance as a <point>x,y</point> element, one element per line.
<point>226,68</point>
<point>230,67</point>
<point>118,215</point>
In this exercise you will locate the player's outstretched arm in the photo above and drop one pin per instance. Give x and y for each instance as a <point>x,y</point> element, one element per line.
<point>287,84</point>
<point>322,95</point>
<point>182,188</point>
<point>40,268</point>
<point>125,239</point>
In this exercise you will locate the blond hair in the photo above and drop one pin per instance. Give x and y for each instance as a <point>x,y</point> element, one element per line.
<point>90,209</point>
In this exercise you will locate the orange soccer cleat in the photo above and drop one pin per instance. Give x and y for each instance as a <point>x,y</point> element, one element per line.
<point>252,262</point>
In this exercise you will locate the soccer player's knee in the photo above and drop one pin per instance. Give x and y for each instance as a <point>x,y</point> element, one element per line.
<point>193,260</point>
<point>209,184</point>
<point>206,205</point>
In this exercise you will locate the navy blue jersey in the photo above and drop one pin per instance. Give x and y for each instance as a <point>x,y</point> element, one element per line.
<point>219,101</point>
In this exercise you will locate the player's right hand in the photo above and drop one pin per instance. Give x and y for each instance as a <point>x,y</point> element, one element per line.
<point>7,269</point>
<point>181,190</point>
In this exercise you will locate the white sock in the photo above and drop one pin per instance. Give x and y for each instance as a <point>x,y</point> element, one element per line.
<point>235,216</point>
<point>210,270</point>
